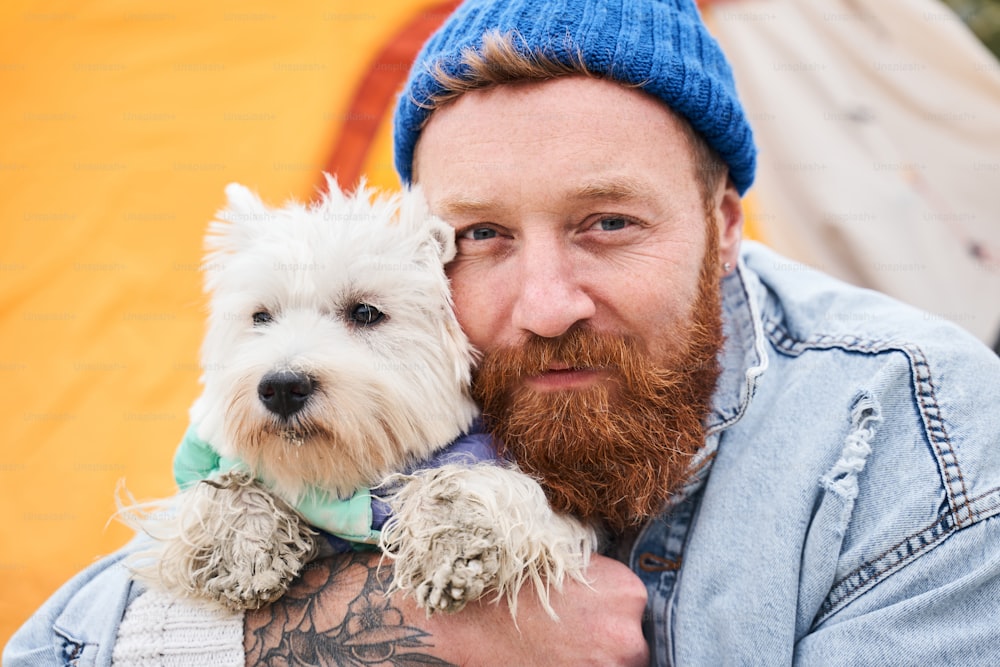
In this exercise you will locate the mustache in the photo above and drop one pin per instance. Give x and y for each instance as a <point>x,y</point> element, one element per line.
<point>502,371</point>
<point>621,356</point>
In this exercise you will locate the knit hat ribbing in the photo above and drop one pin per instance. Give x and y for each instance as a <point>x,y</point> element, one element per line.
<point>661,46</point>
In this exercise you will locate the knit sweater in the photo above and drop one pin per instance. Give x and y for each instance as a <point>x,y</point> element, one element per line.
<point>161,630</point>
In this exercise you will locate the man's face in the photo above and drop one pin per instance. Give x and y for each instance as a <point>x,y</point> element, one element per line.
<point>579,219</point>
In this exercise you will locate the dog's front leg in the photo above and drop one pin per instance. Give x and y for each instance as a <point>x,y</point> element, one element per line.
<point>460,531</point>
<point>232,542</point>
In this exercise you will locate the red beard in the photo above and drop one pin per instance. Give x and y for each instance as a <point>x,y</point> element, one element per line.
<point>612,453</point>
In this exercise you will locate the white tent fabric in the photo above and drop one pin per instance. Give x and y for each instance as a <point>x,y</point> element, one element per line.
<point>878,125</point>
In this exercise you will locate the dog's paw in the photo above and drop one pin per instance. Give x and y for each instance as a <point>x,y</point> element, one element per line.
<point>455,570</point>
<point>445,549</point>
<point>459,532</point>
<point>234,543</point>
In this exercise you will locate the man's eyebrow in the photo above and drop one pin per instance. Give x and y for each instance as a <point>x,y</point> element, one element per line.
<point>612,189</point>
<point>615,189</point>
<point>463,205</point>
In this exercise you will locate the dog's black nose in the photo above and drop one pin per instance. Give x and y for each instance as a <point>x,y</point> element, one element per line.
<point>285,392</point>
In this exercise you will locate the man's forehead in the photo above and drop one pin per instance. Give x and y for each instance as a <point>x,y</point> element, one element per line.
<point>567,111</point>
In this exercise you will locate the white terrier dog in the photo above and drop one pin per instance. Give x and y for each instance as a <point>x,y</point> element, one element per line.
<point>333,361</point>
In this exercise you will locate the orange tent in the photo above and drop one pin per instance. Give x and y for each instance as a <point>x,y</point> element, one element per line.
<point>121,126</point>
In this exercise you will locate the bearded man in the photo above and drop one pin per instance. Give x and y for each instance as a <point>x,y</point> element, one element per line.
<point>780,481</point>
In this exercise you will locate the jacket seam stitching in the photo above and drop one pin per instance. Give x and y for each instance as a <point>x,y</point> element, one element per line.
<point>922,384</point>
<point>934,425</point>
<point>867,575</point>
<point>961,512</point>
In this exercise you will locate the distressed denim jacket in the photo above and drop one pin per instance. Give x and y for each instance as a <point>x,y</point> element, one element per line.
<point>849,514</point>
<point>845,513</point>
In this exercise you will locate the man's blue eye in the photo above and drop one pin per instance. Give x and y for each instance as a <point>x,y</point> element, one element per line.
<point>612,224</point>
<point>483,233</point>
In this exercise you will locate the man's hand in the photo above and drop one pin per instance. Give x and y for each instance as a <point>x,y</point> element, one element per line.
<point>338,614</point>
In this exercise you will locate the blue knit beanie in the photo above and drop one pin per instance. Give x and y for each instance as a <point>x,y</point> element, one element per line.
<point>661,46</point>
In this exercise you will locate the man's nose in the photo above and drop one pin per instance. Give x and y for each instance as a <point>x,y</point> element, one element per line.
<point>550,297</point>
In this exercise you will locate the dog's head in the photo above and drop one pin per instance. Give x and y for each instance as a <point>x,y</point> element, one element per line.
<point>333,355</point>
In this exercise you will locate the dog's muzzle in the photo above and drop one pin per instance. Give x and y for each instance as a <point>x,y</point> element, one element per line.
<point>285,392</point>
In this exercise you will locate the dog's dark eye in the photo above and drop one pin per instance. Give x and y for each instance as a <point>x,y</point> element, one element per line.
<point>261,317</point>
<point>366,315</point>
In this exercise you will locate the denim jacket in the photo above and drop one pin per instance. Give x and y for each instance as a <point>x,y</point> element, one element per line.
<point>849,513</point>
<point>847,517</point>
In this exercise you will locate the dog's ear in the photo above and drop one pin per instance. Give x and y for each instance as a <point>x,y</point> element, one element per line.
<point>240,221</point>
<point>234,228</point>
<point>243,202</point>
<point>444,235</point>
<point>440,232</point>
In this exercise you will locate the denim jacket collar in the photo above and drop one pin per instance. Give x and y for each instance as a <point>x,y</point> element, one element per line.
<point>743,357</point>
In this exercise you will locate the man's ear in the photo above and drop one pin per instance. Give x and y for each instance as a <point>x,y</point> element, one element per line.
<point>728,214</point>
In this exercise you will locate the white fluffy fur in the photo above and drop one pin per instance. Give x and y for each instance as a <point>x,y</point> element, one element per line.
<point>384,395</point>
<point>387,393</point>
<point>458,532</point>
<point>228,540</point>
